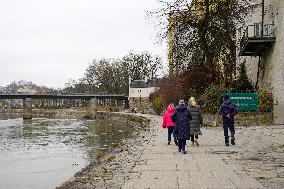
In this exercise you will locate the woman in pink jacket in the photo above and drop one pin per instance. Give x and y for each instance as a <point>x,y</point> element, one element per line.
<point>167,121</point>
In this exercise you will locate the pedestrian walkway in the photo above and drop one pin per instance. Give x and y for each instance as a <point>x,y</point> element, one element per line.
<point>211,165</point>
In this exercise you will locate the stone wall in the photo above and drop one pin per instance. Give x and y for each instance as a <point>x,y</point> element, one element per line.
<point>142,104</point>
<point>241,119</point>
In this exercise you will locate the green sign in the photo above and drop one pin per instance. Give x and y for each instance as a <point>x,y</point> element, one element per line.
<point>245,101</point>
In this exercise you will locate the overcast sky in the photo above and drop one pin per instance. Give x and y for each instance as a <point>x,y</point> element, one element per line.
<point>51,41</point>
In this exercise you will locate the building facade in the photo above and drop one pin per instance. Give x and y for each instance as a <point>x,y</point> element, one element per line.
<point>262,49</point>
<point>139,93</point>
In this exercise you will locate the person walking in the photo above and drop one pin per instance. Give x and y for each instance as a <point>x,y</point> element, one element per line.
<point>167,121</point>
<point>196,120</point>
<point>228,110</point>
<point>181,118</point>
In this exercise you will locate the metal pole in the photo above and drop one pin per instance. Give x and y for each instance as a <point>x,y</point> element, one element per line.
<point>258,72</point>
<point>262,19</point>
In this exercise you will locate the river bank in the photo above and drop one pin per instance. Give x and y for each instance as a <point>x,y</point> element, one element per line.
<point>111,170</point>
<point>146,161</point>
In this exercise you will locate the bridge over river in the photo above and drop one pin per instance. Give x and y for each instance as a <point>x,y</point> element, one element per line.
<point>90,98</point>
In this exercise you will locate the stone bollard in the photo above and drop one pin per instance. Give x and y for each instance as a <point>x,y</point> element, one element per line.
<point>91,108</point>
<point>27,108</point>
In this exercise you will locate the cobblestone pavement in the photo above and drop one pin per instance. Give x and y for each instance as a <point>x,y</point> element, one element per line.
<point>256,161</point>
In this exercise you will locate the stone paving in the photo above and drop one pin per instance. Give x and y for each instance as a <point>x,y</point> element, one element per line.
<point>256,161</point>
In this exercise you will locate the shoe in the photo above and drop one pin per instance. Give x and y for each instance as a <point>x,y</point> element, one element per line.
<point>169,143</point>
<point>233,141</point>
<point>179,150</point>
<point>176,141</point>
<point>196,142</point>
<point>184,152</point>
<point>227,144</point>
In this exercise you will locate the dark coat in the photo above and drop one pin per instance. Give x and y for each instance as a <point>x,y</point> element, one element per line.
<point>228,110</point>
<point>196,120</point>
<point>181,118</point>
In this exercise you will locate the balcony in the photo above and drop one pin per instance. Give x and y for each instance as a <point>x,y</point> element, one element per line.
<point>255,40</point>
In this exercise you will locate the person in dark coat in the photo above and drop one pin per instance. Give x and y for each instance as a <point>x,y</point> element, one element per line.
<point>181,118</point>
<point>196,120</point>
<point>228,110</point>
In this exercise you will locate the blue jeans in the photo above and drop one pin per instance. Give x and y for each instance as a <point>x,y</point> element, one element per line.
<point>228,124</point>
<point>181,144</point>
<point>170,132</point>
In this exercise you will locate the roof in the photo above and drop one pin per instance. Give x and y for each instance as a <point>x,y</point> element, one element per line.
<point>143,84</point>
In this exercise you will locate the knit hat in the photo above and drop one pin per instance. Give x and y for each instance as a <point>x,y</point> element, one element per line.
<point>181,102</point>
<point>193,103</point>
<point>226,97</point>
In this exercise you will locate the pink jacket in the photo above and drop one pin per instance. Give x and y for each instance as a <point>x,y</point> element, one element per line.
<point>167,121</point>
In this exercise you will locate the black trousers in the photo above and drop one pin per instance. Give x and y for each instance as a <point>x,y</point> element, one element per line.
<point>192,137</point>
<point>181,144</point>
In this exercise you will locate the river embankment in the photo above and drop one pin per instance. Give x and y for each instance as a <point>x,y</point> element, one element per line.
<point>146,161</point>
<point>111,170</point>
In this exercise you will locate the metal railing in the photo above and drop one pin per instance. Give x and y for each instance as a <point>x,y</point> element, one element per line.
<point>255,31</point>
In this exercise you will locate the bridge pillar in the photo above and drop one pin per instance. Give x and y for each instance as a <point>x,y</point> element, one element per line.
<point>126,104</point>
<point>91,108</point>
<point>27,108</point>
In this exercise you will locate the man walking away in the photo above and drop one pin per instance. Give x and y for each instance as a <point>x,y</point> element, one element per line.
<point>228,110</point>
<point>181,118</point>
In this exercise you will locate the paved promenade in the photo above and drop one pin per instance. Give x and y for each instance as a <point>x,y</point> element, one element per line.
<point>256,161</point>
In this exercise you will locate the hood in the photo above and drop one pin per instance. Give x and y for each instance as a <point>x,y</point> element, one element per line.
<point>170,109</point>
<point>228,102</point>
<point>181,108</point>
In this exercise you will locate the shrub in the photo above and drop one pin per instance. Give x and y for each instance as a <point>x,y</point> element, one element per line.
<point>243,83</point>
<point>265,100</point>
<point>211,99</point>
<point>157,105</point>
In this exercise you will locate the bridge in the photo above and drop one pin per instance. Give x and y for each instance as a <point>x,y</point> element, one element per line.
<point>90,98</point>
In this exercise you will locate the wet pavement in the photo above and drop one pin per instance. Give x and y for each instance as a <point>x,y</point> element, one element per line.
<point>43,153</point>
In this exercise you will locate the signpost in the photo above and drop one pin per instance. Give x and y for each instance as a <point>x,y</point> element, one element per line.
<point>245,101</point>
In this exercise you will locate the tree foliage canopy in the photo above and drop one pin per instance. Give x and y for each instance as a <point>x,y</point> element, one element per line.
<point>202,43</point>
<point>204,32</point>
<point>111,76</point>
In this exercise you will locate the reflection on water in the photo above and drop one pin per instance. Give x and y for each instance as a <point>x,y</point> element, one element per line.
<point>43,153</point>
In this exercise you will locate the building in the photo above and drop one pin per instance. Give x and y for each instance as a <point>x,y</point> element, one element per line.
<point>262,48</point>
<point>139,92</point>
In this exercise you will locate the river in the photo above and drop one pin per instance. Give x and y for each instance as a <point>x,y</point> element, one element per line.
<point>43,153</point>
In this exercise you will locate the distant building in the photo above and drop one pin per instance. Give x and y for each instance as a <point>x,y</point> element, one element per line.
<point>139,92</point>
<point>26,90</point>
<point>262,48</point>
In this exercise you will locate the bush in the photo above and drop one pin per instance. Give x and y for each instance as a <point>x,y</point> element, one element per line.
<point>265,100</point>
<point>243,83</point>
<point>211,99</point>
<point>157,105</point>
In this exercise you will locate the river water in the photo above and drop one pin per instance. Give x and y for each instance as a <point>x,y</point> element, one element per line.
<point>43,153</point>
